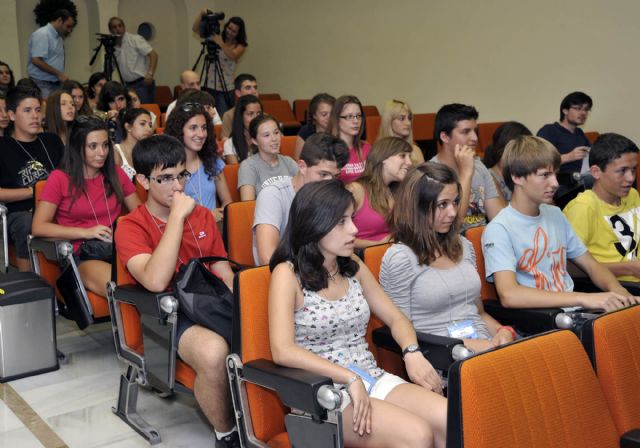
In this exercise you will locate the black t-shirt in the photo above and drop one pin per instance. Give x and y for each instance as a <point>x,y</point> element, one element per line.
<point>306,131</point>
<point>23,166</point>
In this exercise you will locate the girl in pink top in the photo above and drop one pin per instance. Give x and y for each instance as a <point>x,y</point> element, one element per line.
<point>387,164</point>
<point>347,122</point>
<point>82,199</point>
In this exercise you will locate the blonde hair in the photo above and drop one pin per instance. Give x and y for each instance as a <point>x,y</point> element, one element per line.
<point>392,110</point>
<point>525,155</point>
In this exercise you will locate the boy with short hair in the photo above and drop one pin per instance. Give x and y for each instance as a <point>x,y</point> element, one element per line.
<point>606,218</point>
<point>456,131</point>
<point>28,156</point>
<point>527,245</point>
<point>153,241</point>
<point>322,158</point>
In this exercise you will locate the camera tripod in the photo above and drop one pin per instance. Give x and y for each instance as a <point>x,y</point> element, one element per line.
<point>209,58</point>
<point>109,58</point>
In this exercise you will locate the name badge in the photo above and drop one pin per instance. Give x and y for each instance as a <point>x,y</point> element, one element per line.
<point>462,330</point>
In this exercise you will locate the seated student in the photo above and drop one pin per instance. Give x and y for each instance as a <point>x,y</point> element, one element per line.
<point>430,272</point>
<point>347,122</point>
<point>238,147</point>
<point>527,245</point>
<point>134,102</point>
<point>4,116</point>
<point>317,119</point>
<point>82,199</point>
<point>60,114</point>
<point>27,157</point>
<point>113,99</point>
<point>203,98</point>
<point>493,153</point>
<point>387,164</point>
<point>153,241</point>
<point>7,80</point>
<point>75,89</point>
<point>266,165</point>
<point>455,130</point>
<point>190,124</point>
<point>397,121</point>
<point>94,87</point>
<point>320,299</point>
<point>606,218</point>
<point>322,157</point>
<point>244,84</point>
<point>135,125</point>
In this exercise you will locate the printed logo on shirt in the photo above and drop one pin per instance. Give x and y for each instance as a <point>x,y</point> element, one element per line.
<point>202,234</point>
<point>32,172</point>
<point>476,214</point>
<point>273,180</point>
<point>624,226</point>
<point>532,258</point>
<point>354,167</point>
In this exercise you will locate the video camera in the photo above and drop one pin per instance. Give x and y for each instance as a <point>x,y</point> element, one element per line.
<point>210,24</point>
<point>108,40</point>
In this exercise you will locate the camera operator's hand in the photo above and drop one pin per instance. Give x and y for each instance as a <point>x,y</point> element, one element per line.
<point>217,39</point>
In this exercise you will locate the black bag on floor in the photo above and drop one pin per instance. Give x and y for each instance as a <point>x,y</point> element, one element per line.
<point>203,297</point>
<point>74,307</point>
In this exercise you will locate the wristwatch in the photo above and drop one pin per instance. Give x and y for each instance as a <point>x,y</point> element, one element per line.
<point>410,349</point>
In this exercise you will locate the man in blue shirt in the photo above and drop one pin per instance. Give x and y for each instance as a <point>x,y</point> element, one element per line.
<point>566,135</point>
<point>46,52</point>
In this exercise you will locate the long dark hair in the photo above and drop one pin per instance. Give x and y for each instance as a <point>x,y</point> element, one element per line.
<point>93,80</point>
<point>12,80</point>
<point>175,123</point>
<point>68,86</point>
<point>53,115</point>
<point>73,160</point>
<point>412,216</point>
<point>237,131</point>
<point>108,94</point>
<point>241,38</point>
<point>503,135</point>
<point>316,209</point>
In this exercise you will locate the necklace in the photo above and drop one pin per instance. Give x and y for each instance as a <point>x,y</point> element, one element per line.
<point>106,202</point>
<point>33,158</point>
<point>153,218</point>
<point>332,277</point>
<point>198,191</point>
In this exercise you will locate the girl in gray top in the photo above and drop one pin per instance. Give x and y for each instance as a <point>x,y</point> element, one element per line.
<point>430,273</point>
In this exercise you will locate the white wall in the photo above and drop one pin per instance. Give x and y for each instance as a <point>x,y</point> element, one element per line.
<point>511,59</point>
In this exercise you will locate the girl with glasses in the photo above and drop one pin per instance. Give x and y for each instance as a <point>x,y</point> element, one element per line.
<point>397,121</point>
<point>191,125</point>
<point>82,199</point>
<point>347,122</point>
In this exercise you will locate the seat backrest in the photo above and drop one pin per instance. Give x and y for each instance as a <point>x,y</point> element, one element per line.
<point>163,120</point>
<point>485,134</point>
<point>153,108</point>
<point>140,190</point>
<point>217,128</point>
<point>288,146</point>
<point>238,231</point>
<point>612,342</point>
<point>423,126</point>
<point>269,96</point>
<point>131,327</point>
<point>163,96</point>
<point>280,110</point>
<point>370,111</point>
<point>539,392</point>
<point>231,176</point>
<point>251,341</point>
<point>487,290</point>
<point>592,136</point>
<point>373,127</point>
<point>300,108</point>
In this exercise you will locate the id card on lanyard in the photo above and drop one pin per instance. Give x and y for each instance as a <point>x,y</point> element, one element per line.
<point>462,330</point>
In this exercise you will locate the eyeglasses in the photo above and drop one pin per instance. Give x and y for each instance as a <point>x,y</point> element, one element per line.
<point>356,117</point>
<point>586,109</point>
<point>167,179</point>
<point>188,107</point>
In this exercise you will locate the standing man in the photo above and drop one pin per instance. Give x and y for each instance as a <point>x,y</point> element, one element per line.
<point>136,59</point>
<point>46,52</point>
<point>455,130</point>
<point>232,42</point>
<point>566,135</point>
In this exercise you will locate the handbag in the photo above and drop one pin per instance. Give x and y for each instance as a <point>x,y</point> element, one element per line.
<point>74,307</point>
<point>96,250</point>
<point>204,298</point>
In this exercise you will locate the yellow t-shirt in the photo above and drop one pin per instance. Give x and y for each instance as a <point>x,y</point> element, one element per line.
<point>609,232</point>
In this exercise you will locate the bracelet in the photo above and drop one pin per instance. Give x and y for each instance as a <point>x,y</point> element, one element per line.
<point>510,330</point>
<point>352,380</point>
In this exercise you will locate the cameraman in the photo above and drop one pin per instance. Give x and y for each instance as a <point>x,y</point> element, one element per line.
<point>233,43</point>
<point>136,59</point>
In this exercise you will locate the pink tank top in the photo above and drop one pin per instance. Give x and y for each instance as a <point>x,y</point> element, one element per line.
<point>371,224</point>
<point>354,167</point>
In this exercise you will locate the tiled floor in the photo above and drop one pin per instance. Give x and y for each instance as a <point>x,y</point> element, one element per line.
<point>74,403</point>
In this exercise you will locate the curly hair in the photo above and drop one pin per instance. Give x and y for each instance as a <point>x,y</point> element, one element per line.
<point>50,10</point>
<point>175,128</point>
